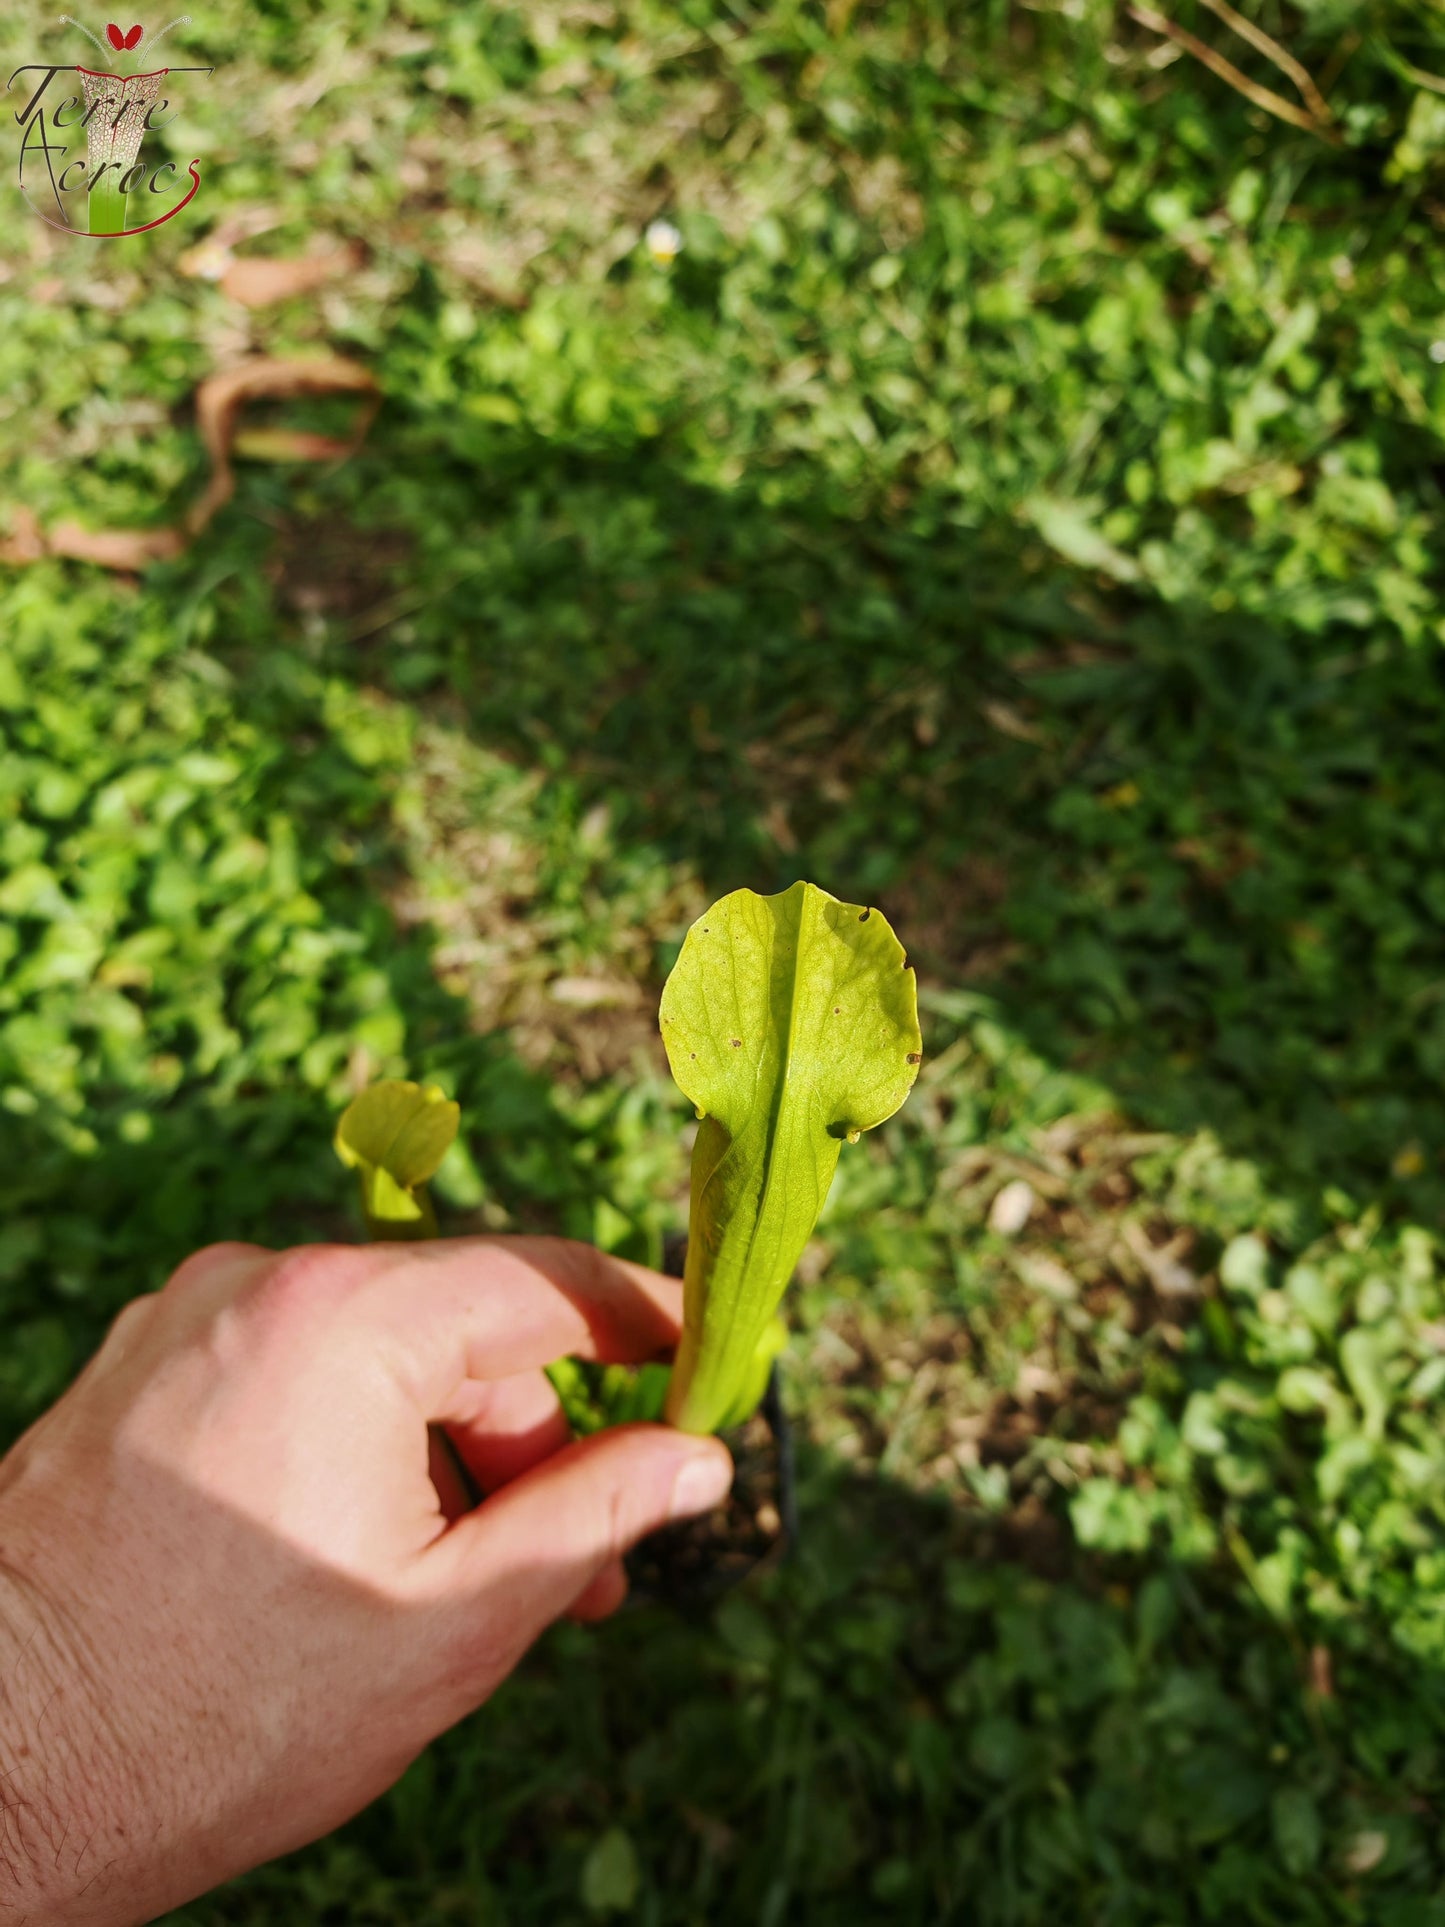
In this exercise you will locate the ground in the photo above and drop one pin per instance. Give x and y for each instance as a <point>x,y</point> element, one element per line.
<point>1015,503</point>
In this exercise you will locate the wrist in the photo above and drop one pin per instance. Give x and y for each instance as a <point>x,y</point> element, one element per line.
<point>56,1832</point>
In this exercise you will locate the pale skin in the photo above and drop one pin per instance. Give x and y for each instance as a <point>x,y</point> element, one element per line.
<point>241,1588</point>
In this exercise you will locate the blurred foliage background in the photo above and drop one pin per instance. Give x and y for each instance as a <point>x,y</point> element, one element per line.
<point>1013,495</point>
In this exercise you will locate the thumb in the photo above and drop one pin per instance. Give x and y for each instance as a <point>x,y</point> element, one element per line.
<point>531,1550</point>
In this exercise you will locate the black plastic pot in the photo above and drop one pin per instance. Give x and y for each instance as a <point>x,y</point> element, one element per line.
<point>693,1564</point>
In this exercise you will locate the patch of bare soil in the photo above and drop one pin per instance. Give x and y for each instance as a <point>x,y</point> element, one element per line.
<point>328,568</point>
<point>1005,1397</point>
<point>693,1564</point>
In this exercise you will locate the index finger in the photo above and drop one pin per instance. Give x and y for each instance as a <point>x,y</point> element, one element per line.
<point>487,1308</point>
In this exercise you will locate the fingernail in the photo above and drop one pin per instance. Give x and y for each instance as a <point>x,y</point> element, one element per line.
<point>701,1483</point>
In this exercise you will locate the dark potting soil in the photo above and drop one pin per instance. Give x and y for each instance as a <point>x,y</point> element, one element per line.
<point>692,1564</point>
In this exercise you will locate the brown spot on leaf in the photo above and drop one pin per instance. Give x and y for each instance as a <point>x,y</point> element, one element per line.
<point>914,1057</point>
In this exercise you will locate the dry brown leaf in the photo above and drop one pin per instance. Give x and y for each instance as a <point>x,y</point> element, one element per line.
<point>1264,97</point>
<point>219,401</point>
<point>220,398</point>
<point>26,541</point>
<point>257,283</point>
<point>126,549</point>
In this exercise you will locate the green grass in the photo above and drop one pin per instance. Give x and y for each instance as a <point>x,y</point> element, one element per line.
<point>1018,504</point>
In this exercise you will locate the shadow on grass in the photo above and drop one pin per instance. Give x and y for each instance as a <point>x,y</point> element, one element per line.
<point>903,1726</point>
<point>1189,855</point>
<point>81,1234</point>
<point>1182,854</point>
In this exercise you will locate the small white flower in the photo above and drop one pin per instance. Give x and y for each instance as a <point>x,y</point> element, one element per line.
<point>207,261</point>
<point>1437,351</point>
<point>664,242</point>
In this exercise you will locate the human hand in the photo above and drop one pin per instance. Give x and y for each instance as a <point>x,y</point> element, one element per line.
<point>238,1593</point>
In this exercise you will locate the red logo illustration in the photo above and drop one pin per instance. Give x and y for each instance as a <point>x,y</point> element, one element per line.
<point>112,191</point>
